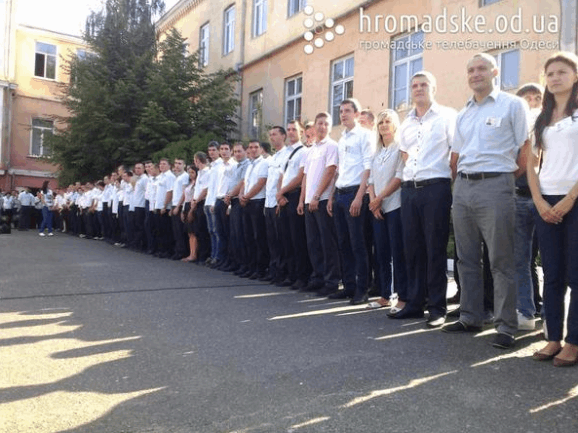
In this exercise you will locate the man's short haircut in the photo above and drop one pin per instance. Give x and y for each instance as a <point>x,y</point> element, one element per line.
<point>166,160</point>
<point>214,144</point>
<point>139,163</point>
<point>225,143</point>
<point>297,123</point>
<point>240,143</point>
<point>427,75</point>
<point>280,129</point>
<point>530,88</point>
<point>101,183</point>
<point>178,158</point>
<point>128,173</point>
<point>148,161</point>
<point>487,57</point>
<point>309,125</point>
<point>202,157</point>
<point>265,146</point>
<point>367,112</point>
<point>323,115</point>
<point>353,102</point>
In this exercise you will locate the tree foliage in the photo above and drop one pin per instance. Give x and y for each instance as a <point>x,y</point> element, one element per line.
<point>131,98</point>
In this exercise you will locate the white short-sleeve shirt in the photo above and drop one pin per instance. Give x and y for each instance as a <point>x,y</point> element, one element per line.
<point>320,156</point>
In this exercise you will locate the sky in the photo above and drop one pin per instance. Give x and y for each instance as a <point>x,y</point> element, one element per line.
<point>64,16</point>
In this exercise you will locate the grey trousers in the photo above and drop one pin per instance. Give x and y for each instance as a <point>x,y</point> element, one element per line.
<point>485,209</point>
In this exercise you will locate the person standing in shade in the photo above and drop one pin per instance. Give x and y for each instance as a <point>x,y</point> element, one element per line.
<point>555,191</point>
<point>425,139</point>
<point>490,132</point>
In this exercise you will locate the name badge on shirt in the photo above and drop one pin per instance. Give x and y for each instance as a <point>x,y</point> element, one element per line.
<point>494,121</point>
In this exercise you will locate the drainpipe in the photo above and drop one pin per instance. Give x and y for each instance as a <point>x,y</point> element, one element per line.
<point>568,27</point>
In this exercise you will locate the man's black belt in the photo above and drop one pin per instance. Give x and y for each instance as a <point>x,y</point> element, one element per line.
<point>479,176</point>
<point>422,183</point>
<point>347,190</point>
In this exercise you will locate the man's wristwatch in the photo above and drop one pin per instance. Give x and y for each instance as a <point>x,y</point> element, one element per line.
<point>317,197</point>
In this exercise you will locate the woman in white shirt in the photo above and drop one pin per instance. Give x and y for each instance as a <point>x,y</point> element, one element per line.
<point>554,191</point>
<point>385,204</point>
<point>187,215</point>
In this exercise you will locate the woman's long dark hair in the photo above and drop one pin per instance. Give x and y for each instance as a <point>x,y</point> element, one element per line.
<point>549,103</point>
<point>45,186</point>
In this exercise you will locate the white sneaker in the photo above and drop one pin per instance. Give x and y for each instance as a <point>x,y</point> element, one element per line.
<point>41,234</point>
<point>50,234</point>
<point>525,324</point>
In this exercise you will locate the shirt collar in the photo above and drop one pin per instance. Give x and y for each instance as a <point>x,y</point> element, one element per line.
<point>493,94</point>
<point>434,108</point>
<point>355,130</point>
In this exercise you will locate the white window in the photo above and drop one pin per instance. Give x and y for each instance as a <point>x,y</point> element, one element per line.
<point>45,61</point>
<point>259,17</point>
<point>255,114</point>
<point>407,59</point>
<point>341,84</point>
<point>204,45</point>
<point>41,128</point>
<point>509,67</point>
<point>488,2</point>
<point>295,6</point>
<point>229,30</point>
<point>293,91</point>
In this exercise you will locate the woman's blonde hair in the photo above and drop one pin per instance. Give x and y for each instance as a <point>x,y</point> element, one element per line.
<point>386,114</point>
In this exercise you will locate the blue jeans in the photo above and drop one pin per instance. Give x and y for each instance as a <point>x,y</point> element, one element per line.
<point>351,243</point>
<point>212,231</point>
<point>559,252</point>
<point>46,220</point>
<point>523,255</point>
<point>388,241</point>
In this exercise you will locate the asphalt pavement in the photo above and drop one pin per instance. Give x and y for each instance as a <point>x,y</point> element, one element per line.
<point>99,339</point>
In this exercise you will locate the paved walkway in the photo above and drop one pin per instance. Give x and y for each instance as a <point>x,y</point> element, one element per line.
<point>99,339</point>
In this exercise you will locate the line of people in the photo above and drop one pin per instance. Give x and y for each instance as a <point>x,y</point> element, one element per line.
<point>377,204</point>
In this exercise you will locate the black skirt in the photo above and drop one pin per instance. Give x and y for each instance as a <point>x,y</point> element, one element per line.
<point>188,226</point>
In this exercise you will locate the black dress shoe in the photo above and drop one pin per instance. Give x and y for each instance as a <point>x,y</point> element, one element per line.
<point>503,341</point>
<point>285,283</point>
<point>460,327</point>
<point>356,300</point>
<point>256,276</point>
<point>406,313</point>
<point>326,291</point>
<point>435,321</point>
<point>246,274</point>
<point>266,277</point>
<point>298,285</point>
<point>313,286</point>
<point>339,294</point>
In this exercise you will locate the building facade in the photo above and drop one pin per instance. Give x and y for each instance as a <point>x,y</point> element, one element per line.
<point>299,57</point>
<point>33,104</point>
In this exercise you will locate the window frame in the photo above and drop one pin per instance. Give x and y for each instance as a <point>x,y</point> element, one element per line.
<point>488,2</point>
<point>259,21</point>
<point>296,96</point>
<point>46,55</point>
<point>256,112</point>
<point>498,80</point>
<point>291,10</point>
<point>343,81</point>
<point>42,149</point>
<point>408,60</point>
<point>204,44</point>
<point>229,30</point>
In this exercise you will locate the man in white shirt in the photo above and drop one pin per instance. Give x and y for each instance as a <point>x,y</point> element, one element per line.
<point>163,200</point>
<point>26,200</point>
<point>179,235</point>
<point>491,135</point>
<point>426,138</point>
<point>152,171</point>
<point>216,161</point>
<point>292,224</point>
<point>225,182</point>
<point>277,265</point>
<point>351,202</point>
<point>137,207</point>
<point>319,170</point>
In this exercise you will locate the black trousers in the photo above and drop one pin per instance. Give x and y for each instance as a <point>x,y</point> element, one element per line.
<point>238,253</point>
<point>292,228</point>
<point>277,267</point>
<point>165,242</point>
<point>256,236</point>
<point>24,218</point>
<point>149,228</point>
<point>179,235</point>
<point>138,229</point>
<point>201,232</point>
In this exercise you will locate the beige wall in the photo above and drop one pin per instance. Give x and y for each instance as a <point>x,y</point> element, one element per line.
<point>372,67</point>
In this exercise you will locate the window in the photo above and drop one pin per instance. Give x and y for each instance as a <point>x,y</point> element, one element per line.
<point>407,59</point>
<point>40,130</point>
<point>204,45</point>
<point>509,67</point>
<point>45,61</point>
<point>255,114</point>
<point>259,17</point>
<point>295,6</point>
<point>341,84</point>
<point>293,90</point>
<point>488,2</point>
<point>229,30</point>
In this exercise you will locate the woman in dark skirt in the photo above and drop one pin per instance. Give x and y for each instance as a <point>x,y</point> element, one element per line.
<point>198,204</point>
<point>187,216</point>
